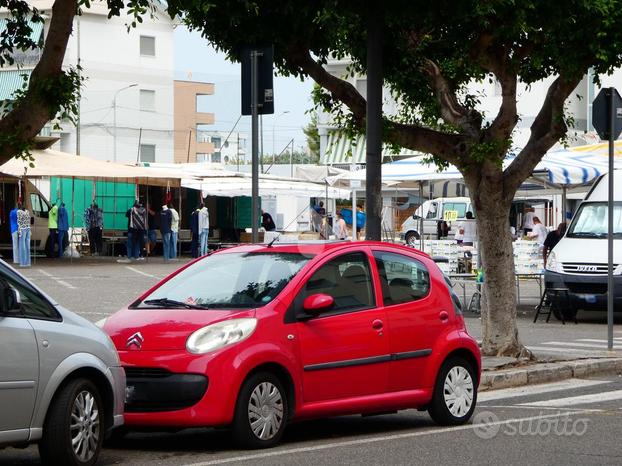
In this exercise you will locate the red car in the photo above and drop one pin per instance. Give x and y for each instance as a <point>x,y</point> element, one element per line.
<point>258,336</point>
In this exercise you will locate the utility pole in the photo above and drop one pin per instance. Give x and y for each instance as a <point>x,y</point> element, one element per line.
<point>255,146</point>
<point>114,119</point>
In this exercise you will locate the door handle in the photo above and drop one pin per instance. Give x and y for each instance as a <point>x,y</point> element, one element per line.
<point>443,315</point>
<point>377,324</point>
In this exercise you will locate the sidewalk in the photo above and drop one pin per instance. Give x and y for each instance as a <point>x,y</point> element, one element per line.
<point>501,372</point>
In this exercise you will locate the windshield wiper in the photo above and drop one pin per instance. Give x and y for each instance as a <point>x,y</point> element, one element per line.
<point>166,302</point>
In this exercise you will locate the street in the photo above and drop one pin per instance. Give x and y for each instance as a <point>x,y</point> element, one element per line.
<point>570,422</point>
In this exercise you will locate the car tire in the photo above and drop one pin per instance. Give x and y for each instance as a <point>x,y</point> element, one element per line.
<point>76,412</point>
<point>411,238</point>
<point>261,412</point>
<point>454,405</point>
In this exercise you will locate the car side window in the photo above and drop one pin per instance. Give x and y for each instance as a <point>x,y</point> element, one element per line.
<point>33,304</point>
<point>403,278</point>
<point>347,279</point>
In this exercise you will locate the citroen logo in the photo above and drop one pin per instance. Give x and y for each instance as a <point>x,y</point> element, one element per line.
<point>136,340</point>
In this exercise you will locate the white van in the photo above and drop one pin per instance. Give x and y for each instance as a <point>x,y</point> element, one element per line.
<point>578,262</point>
<point>433,212</point>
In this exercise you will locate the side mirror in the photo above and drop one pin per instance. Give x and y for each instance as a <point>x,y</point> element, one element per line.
<point>12,301</point>
<point>316,303</point>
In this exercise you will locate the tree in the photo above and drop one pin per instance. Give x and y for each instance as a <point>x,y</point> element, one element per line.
<point>313,137</point>
<point>51,90</point>
<point>432,51</point>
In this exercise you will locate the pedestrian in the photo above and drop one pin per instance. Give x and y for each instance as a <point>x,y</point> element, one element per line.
<point>138,224</point>
<point>129,247</point>
<point>267,222</point>
<point>469,230</point>
<point>96,227</point>
<point>203,228</point>
<point>552,239</point>
<point>528,220</point>
<point>166,218</point>
<point>319,208</point>
<point>23,228</point>
<point>14,233</point>
<point>152,235</point>
<point>195,233</point>
<point>174,231</point>
<point>339,228</point>
<point>538,232</point>
<point>53,229</point>
<point>63,227</point>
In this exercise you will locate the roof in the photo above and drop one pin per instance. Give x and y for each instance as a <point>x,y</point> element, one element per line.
<point>342,149</point>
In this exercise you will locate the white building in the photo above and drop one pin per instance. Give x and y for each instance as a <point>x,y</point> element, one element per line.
<point>126,106</point>
<point>228,147</point>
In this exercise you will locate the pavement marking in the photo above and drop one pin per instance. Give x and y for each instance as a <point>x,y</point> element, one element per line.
<point>383,438</point>
<point>578,400</point>
<point>140,272</point>
<point>537,389</point>
<point>591,340</point>
<point>57,280</point>
<point>553,349</point>
<point>580,345</point>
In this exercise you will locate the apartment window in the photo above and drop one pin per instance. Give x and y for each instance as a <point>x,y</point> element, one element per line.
<point>202,157</point>
<point>216,141</point>
<point>147,46</point>
<point>216,157</point>
<point>147,100</point>
<point>147,152</point>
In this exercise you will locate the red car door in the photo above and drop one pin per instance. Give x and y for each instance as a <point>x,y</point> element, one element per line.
<point>415,316</point>
<point>344,350</point>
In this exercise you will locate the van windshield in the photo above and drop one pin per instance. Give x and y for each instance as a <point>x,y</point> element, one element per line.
<point>591,221</point>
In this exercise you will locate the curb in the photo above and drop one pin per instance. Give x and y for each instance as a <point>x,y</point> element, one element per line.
<point>548,372</point>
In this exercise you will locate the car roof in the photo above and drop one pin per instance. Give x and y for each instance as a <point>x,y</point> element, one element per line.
<point>319,247</point>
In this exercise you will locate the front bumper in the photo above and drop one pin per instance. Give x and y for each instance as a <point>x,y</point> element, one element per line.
<point>587,292</point>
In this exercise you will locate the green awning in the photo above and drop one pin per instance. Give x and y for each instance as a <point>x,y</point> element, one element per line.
<point>11,81</point>
<point>342,149</point>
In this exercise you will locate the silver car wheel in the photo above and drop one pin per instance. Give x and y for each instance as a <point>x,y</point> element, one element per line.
<point>85,426</point>
<point>265,410</point>
<point>458,391</point>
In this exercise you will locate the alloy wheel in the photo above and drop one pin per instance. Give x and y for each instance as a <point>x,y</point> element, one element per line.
<point>85,426</point>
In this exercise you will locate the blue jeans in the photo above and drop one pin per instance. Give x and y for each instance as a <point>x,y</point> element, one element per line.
<point>24,247</point>
<point>203,234</point>
<point>60,237</point>
<point>166,245</point>
<point>174,235</point>
<point>130,245</point>
<point>139,241</point>
<point>15,240</point>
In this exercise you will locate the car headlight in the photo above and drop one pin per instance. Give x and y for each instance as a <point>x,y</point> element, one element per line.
<point>219,335</point>
<point>552,264</point>
<point>101,322</point>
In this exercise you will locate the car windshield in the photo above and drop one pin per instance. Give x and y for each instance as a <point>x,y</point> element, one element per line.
<point>228,281</point>
<point>591,221</point>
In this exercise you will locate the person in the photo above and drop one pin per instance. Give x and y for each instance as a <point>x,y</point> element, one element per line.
<point>528,220</point>
<point>138,225</point>
<point>63,227</point>
<point>538,232</point>
<point>469,230</point>
<point>53,228</point>
<point>14,234</point>
<point>203,228</point>
<point>129,247</point>
<point>96,226</point>
<point>152,235</point>
<point>319,208</point>
<point>194,230</point>
<point>266,221</point>
<point>459,233</point>
<point>23,229</point>
<point>340,229</point>
<point>174,231</point>
<point>552,239</point>
<point>166,218</point>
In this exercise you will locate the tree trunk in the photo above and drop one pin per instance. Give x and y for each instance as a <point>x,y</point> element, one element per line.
<point>499,329</point>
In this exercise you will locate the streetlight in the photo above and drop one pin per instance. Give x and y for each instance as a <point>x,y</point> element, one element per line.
<point>114,118</point>
<point>273,144</point>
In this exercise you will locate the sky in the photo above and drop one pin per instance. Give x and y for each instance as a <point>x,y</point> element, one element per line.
<point>197,60</point>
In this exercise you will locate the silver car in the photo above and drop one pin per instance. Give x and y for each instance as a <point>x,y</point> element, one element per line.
<point>61,383</point>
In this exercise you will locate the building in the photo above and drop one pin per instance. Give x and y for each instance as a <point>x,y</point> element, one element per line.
<point>126,105</point>
<point>191,142</point>
<point>229,147</point>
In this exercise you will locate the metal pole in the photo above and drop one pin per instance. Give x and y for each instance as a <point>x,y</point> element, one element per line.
<point>563,203</point>
<point>610,289</point>
<point>291,161</point>
<point>255,147</point>
<point>261,138</point>
<point>354,236</point>
<point>114,128</point>
<point>421,216</point>
<point>140,136</point>
<point>79,90</point>
<point>189,144</point>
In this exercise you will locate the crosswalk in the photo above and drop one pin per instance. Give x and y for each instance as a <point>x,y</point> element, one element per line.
<point>581,347</point>
<point>566,394</point>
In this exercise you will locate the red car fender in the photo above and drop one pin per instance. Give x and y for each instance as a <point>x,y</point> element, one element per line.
<point>261,355</point>
<point>453,341</point>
